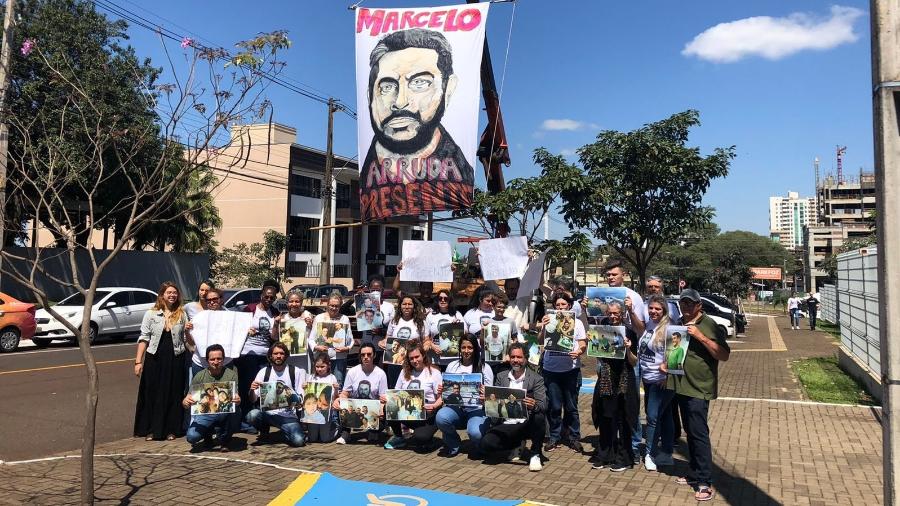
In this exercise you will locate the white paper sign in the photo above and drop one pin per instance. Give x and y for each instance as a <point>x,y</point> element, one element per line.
<point>503,258</point>
<point>427,261</point>
<point>533,277</point>
<point>228,328</point>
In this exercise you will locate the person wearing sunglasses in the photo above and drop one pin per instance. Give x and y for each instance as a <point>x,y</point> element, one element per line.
<point>212,301</point>
<point>192,308</point>
<point>442,312</point>
<point>364,381</point>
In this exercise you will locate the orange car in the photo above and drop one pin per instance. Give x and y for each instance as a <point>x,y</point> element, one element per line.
<point>16,322</point>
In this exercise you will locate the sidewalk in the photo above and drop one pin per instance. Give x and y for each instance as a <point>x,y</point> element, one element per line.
<point>770,447</point>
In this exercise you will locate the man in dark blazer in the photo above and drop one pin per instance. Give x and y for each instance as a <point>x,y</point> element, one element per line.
<point>511,434</point>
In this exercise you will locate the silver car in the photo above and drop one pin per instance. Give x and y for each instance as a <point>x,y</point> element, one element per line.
<point>115,312</point>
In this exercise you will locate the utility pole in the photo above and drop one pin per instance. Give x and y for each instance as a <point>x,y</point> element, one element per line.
<point>5,77</point>
<point>327,195</point>
<point>885,16</point>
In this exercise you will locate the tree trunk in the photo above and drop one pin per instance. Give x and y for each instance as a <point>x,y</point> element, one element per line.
<point>90,419</point>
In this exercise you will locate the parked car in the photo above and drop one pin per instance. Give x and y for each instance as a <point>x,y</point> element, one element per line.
<point>723,305</point>
<point>722,318</point>
<point>116,312</point>
<point>236,299</point>
<point>16,322</point>
<point>320,291</point>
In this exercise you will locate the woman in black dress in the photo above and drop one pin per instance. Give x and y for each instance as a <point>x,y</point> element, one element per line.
<point>160,364</point>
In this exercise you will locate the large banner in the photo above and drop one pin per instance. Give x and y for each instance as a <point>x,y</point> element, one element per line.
<point>418,75</point>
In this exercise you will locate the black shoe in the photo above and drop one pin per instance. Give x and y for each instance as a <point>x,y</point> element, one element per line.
<point>618,468</point>
<point>576,447</point>
<point>552,445</point>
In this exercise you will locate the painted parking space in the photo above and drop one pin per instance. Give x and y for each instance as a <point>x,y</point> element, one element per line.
<point>310,489</point>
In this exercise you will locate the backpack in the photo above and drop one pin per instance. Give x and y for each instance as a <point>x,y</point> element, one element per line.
<point>291,371</point>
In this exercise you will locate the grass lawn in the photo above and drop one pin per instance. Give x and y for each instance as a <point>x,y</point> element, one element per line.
<point>824,381</point>
<point>826,326</point>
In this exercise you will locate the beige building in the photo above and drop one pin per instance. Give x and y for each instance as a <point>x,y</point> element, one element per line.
<point>788,216</point>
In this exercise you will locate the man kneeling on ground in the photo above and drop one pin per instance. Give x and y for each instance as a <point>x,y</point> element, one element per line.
<point>512,434</point>
<point>287,379</point>
<point>225,424</point>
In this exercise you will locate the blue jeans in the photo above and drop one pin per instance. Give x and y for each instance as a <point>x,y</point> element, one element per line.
<point>289,426</point>
<point>247,366</point>
<point>795,317</point>
<point>637,431</point>
<point>339,369</point>
<point>203,425</point>
<point>451,418</point>
<point>660,425</point>
<point>562,394</point>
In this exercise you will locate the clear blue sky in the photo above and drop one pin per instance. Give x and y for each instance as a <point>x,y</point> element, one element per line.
<point>784,88</point>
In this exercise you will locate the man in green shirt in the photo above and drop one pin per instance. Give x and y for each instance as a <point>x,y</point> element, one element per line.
<point>697,386</point>
<point>227,419</point>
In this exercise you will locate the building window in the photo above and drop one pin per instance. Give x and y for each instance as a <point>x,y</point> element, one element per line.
<point>418,235</point>
<point>302,239</point>
<point>341,271</point>
<point>391,242</point>
<point>296,269</point>
<point>306,186</point>
<point>341,240</point>
<point>344,196</point>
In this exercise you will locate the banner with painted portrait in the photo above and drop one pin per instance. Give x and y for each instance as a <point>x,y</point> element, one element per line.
<point>418,78</point>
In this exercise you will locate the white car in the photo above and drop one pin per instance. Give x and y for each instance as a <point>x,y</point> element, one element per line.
<point>116,311</point>
<point>723,322</point>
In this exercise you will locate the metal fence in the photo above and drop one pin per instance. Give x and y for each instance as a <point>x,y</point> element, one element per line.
<point>857,306</point>
<point>829,299</point>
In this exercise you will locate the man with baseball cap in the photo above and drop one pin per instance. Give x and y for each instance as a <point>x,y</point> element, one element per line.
<point>697,386</point>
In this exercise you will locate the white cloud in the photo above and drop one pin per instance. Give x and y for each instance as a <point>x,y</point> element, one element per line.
<point>774,38</point>
<point>571,125</point>
<point>567,152</point>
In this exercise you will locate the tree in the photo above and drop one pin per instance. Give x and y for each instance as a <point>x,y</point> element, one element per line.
<point>526,202</point>
<point>77,143</point>
<point>249,265</point>
<point>641,190</point>
<point>732,276</point>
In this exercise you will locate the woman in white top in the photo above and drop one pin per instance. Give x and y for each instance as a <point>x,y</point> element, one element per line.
<point>293,329</point>
<point>452,418</point>
<point>652,354</point>
<point>192,308</point>
<point>342,340</point>
<point>561,379</point>
<point>408,323</point>
<point>440,314</point>
<point>418,373</point>
<point>477,317</point>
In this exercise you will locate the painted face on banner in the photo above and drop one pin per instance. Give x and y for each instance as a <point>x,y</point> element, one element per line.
<point>408,99</point>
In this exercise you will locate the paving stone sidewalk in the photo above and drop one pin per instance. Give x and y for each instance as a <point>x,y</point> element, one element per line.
<point>767,450</point>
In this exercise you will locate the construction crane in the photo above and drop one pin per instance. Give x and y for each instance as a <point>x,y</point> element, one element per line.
<point>840,163</point>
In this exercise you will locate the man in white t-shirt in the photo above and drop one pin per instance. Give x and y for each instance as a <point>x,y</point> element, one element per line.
<point>364,381</point>
<point>284,380</point>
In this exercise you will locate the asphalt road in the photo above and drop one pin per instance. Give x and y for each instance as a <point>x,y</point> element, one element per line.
<point>42,393</point>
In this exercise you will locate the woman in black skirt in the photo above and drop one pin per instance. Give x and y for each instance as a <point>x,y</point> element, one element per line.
<point>160,363</point>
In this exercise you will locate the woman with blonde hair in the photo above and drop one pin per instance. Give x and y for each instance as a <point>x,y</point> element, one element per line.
<point>652,354</point>
<point>160,365</point>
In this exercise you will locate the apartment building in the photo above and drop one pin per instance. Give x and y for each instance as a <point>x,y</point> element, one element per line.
<point>788,216</point>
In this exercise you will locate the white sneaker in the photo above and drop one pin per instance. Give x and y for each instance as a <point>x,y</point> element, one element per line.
<point>535,463</point>
<point>649,464</point>
<point>341,441</point>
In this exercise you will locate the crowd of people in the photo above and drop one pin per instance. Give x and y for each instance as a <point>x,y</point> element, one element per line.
<point>528,430</point>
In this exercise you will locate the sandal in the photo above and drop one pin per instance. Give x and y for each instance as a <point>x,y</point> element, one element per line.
<point>149,438</point>
<point>685,480</point>
<point>170,437</point>
<point>704,493</point>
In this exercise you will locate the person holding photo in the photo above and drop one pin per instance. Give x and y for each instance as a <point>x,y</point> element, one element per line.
<point>364,381</point>
<point>160,364</point>
<point>212,302</point>
<point>676,354</point>
<point>324,431</point>
<point>286,378</point>
<point>256,347</point>
<point>418,373</point>
<point>697,386</point>
<point>224,424</point>
<point>440,314</point>
<point>341,341</point>
<point>375,288</point>
<point>561,378</point>
<point>652,354</point>
<point>449,419</point>
<point>407,323</point>
<point>296,318</point>
<point>616,402</point>
<point>514,433</point>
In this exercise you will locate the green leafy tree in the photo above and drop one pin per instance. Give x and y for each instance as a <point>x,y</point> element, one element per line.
<point>731,277</point>
<point>641,190</point>
<point>249,265</point>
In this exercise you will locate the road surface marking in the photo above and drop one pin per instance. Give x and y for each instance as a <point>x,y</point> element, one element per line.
<point>802,403</point>
<point>775,335</point>
<point>16,354</point>
<point>65,366</point>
